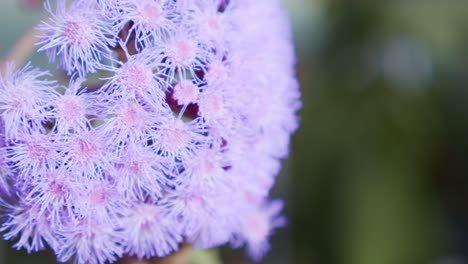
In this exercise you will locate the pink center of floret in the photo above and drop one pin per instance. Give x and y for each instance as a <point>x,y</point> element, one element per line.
<point>21,98</point>
<point>185,92</point>
<point>148,216</point>
<point>75,32</point>
<point>56,188</point>
<point>97,197</point>
<point>36,151</point>
<point>174,137</point>
<point>135,77</point>
<point>216,72</point>
<point>251,197</point>
<point>195,201</point>
<point>147,225</point>
<point>258,228</point>
<point>134,168</point>
<point>184,51</point>
<point>151,10</point>
<point>87,150</point>
<point>211,106</point>
<point>206,167</point>
<point>72,108</point>
<point>133,116</point>
<point>213,23</point>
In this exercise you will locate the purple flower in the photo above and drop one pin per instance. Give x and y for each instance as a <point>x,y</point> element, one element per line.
<point>152,20</point>
<point>136,77</point>
<point>90,241</point>
<point>150,231</point>
<point>182,142</point>
<point>140,173</point>
<point>25,98</point>
<point>29,226</point>
<point>79,34</point>
<point>71,110</point>
<point>258,226</point>
<point>35,152</point>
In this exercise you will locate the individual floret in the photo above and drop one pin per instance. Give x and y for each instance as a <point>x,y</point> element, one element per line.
<point>78,34</point>
<point>25,100</point>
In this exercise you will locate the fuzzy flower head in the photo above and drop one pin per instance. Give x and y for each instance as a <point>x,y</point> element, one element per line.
<point>76,33</point>
<point>24,99</point>
<point>152,20</point>
<point>181,142</point>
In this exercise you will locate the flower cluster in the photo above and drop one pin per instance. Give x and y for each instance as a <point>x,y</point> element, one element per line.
<point>181,143</point>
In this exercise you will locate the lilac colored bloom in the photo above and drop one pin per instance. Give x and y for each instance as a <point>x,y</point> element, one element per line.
<point>78,34</point>
<point>29,226</point>
<point>258,226</point>
<point>150,231</point>
<point>90,241</point>
<point>24,100</point>
<point>153,20</point>
<point>181,143</point>
<point>72,109</point>
<point>53,190</point>
<point>186,92</point>
<point>36,152</point>
<point>140,173</point>
<point>136,77</point>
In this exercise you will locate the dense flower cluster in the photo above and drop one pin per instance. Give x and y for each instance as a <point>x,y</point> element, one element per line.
<point>181,143</point>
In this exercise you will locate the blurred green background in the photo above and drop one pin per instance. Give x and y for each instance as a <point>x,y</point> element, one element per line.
<point>378,172</point>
